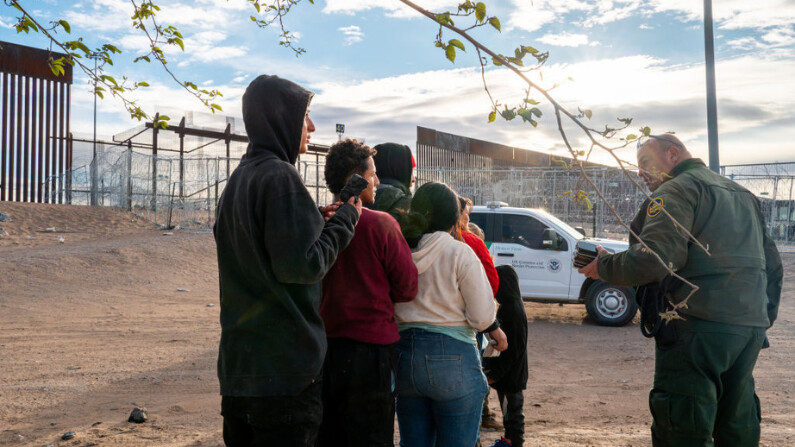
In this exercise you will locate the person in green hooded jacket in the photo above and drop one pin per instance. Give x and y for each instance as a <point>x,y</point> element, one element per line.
<point>395,166</point>
<point>703,393</point>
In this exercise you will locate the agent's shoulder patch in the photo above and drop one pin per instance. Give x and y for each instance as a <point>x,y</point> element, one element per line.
<point>655,207</point>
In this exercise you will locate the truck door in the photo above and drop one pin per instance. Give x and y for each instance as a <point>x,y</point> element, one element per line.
<point>543,273</point>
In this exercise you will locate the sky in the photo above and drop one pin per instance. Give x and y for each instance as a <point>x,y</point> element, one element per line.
<point>373,67</point>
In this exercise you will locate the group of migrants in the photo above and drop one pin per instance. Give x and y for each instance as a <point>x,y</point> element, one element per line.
<point>337,318</point>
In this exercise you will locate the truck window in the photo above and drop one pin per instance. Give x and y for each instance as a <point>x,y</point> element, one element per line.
<point>522,230</point>
<point>480,219</point>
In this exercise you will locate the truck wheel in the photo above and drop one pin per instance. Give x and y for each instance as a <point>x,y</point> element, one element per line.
<point>610,305</point>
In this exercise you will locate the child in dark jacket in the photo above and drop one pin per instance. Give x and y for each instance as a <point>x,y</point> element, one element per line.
<point>507,373</point>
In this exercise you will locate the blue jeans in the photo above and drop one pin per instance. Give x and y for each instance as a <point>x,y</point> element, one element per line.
<point>440,390</point>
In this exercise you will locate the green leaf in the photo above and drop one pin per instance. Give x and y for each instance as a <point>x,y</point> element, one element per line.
<point>531,101</point>
<point>495,22</point>
<point>256,6</point>
<point>65,26</point>
<point>631,137</point>
<point>162,121</point>
<point>450,53</point>
<point>492,116</point>
<point>56,66</point>
<point>110,79</point>
<point>142,84</point>
<point>480,11</point>
<point>457,43</point>
<point>588,113</point>
<point>529,49</point>
<point>496,61</point>
<point>536,111</point>
<point>508,114</point>
<point>111,48</point>
<point>444,18</point>
<point>646,131</point>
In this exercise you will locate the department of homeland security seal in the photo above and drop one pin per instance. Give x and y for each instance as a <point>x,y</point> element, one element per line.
<point>553,265</point>
<point>655,207</point>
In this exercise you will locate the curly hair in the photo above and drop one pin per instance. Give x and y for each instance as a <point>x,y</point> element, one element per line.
<point>343,159</point>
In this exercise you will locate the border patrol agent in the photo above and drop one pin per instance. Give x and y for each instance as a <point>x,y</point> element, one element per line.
<point>703,393</point>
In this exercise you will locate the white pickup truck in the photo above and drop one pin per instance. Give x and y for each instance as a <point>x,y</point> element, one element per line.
<point>541,247</point>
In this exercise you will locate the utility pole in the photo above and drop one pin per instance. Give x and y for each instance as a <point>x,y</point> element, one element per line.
<point>712,102</point>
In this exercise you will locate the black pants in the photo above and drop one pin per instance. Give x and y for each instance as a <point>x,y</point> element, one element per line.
<point>272,421</point>
<point>358,395</point>
<point>513,416</point>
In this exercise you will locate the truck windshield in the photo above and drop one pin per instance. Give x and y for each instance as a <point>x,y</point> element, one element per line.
<point>562,225</point>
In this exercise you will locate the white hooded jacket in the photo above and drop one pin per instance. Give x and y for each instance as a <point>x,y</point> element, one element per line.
<point>452,286</point>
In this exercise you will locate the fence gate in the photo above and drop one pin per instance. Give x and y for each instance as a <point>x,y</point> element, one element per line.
<point>36,151</point>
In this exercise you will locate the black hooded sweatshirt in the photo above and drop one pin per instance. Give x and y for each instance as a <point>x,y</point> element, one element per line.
<point>393,165</point>
<point>273,250</point>
<point>509,369</point>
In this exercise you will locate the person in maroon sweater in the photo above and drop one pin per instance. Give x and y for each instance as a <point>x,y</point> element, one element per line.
<point>373,273</point>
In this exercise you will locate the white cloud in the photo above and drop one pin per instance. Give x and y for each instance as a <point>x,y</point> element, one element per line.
<point>353,34</point>
<point>531,16</point>
<point>137,43</point>
<point>781,36</point>
<point>393,8</point>
<point>7,22</point>
<point>566,40</point>
<point>114,15</point>
<point>727,14</point>
<point>200,47</point>
<point>733,14</point>
<point>612,11</point>
<point>745,43</point>
<point>655,93</point>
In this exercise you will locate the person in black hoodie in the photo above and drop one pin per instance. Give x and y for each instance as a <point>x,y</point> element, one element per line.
<point>395,167</point>
<point>274,247</point>
<point>508,373</point>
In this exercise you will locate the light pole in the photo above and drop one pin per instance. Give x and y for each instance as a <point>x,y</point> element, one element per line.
<point>94,173</point>
<point>712,102</point>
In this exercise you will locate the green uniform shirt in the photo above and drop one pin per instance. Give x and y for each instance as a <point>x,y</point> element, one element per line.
<point>739,282</point>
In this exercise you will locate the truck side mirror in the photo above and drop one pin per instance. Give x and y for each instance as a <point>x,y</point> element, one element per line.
<point>550,239</point>
<point>580,230</point>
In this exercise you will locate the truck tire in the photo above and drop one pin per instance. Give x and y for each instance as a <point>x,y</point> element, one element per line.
<point>610,305</point>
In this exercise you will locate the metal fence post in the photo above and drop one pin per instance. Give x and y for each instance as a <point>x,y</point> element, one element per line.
<point>153,205</point>
<point>129,175</point>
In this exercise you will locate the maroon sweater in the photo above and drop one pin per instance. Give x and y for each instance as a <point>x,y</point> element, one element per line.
<point>370,275</point>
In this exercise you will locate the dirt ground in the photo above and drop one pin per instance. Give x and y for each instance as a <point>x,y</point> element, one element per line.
<point>120,315</point>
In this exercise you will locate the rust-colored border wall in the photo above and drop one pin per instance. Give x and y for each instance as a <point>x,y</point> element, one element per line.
<point>35,154</point>
<point>437,149</point>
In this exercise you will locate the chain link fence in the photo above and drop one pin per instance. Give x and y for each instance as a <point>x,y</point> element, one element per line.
<point>552,189</point>
<point>171,191</point>
<point>773,184</point>
<point>167,190</point>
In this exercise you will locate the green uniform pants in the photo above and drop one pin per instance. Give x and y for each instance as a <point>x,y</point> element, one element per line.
<point>703,393</point>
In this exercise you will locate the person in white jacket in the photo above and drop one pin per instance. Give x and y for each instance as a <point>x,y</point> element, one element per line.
<point>440,385</point>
